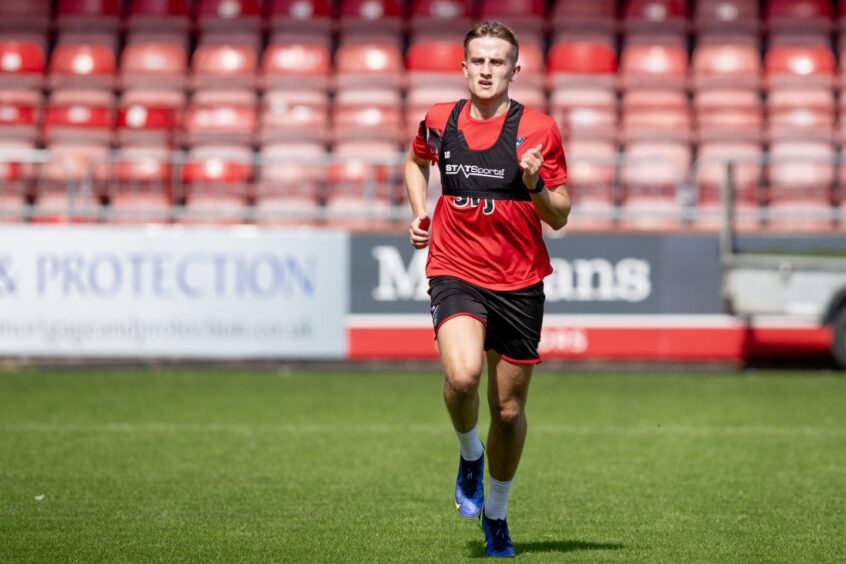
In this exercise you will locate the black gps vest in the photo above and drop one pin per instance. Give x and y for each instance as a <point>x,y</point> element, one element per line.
<point>492,173</point>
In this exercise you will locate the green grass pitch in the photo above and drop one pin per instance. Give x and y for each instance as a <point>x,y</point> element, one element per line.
<point>214,466</point>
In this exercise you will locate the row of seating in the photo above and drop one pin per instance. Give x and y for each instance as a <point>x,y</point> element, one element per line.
<point>391,14</point>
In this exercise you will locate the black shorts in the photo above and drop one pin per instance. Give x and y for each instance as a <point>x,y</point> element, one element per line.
<point>512,319</point>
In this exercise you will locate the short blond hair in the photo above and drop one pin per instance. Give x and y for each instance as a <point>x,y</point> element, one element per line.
<point>492,28</point>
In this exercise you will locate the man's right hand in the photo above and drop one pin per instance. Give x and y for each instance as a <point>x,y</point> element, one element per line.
<point>419,231</point>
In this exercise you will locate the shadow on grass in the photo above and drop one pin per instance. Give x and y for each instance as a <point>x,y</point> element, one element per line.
<point>477,549</point>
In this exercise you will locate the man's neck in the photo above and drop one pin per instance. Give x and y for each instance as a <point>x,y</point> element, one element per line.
<point>489,108</point>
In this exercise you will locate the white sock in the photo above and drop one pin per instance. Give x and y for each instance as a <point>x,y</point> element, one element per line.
<point>469,444</point>
<point>497,501</point>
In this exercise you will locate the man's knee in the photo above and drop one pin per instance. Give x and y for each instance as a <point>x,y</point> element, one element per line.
<point>463,377</point>
<point>507,414</point>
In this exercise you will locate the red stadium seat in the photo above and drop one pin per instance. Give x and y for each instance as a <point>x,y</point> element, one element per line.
<point>154,61</point>
<point>84,15</point>
<point>217,182</point>
<point>655,114</point>
<point>207,122</point>
<point>362,192</point>
<point>68,122</point>
<point>58,198</point>
<point>585,113</point>
<point>296,63</point>
<point>591,181</point>
<point>21,62</point>
<point>663,15</point>
<point>368,115</point>
<point>653,61</point>
<point>173,99</point>
<point>726,62</point>
<point>19,121</point>
<point>225,62</point>
<point>801,174</point>
<point>229,15</point>
<point>298,114</point>
<point>532,67</point>
<point>370,15</point>
<point>799,15</point>
<point>652,172</point>
<point>582,60</point>
<point>420,99</point>
<point>440,16</point>
<point>25,15</point>
<point>77,62</point>
<point>141,124</point>
<point>578,15</point>
<point>369,61</point>
<point>799,65</point>
<point>726,16</point>
<point>139,186</point>
<point>435,62</point>
<point>289,188</point>
<point>801,114</point>
<point>524,16</point>
<point>746,158</point>
<point>158,15</point>
<point>530,95</point>
<point>729,115</point>
<point>300,15</point>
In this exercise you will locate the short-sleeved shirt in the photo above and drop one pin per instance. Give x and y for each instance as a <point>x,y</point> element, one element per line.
<point>503,250</point>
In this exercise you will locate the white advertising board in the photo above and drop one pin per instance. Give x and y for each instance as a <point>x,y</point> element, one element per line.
<point>92,291</point>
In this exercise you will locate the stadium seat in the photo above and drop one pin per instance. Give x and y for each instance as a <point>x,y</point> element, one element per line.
<point>83,62</point>
<point>585,113</point>
<point>578,15</point>
<point>19,121</point>
<point>288,188</point>
<point>217,182</point>
<point>591,181</point>
<point>799,65</point>
<point>525,17</point>
<point>300,16</point>
<point>799,15</point>
<point>295,115</point>
<point>225,62</point>
<point>654,15</point>
<point>801,175</point>
<point>729,115</point>
<point>724,61</point>
<point>154,61</point>
<point>370,16</point>
<point>575,60</point>
<point>58,198</point>
<point>653,61</point>
<point>532,67</point>
<point>142,124</point>
<point>440,17</point>
<point>85,15</point>
<point>530,95</point>
<point>368,115</point>
<point>420,99</point>
<point>298,62</point>
<point>801,114</point>
<point>655,114</point>
<point>21,62</point>
<point>25,15</point>
<point>652,172</point>
<point>435,62</point>
<point>369,61</point>
<point>173,99</point>
<point>726,16</point>
<point>139,186</point>
<point>229,15</point>
<point>84,123</point>
<point>218,122</point>
<point>158,15</point>
<point>746,158</point>
<point>363,190</point>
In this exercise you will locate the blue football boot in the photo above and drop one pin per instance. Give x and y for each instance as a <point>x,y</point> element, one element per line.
<point>470,488</point>
<point>497,538</point>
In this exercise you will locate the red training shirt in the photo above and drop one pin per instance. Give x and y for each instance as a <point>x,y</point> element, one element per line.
<point>504,250</point>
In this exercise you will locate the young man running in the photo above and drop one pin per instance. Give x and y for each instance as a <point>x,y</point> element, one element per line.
<point>502,172</point>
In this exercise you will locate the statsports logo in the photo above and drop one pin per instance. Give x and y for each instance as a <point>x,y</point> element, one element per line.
<point>474,170</point>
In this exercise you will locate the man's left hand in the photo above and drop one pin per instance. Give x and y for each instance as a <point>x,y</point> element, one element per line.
<point>531,163</point>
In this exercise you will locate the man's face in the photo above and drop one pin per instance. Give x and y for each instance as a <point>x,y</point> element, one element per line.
<point>489,66</point>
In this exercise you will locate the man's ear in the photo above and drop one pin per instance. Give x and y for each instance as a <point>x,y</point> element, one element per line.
<point>464,68</point>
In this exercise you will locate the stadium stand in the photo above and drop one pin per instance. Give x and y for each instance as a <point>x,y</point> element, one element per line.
<point>121,102</point>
